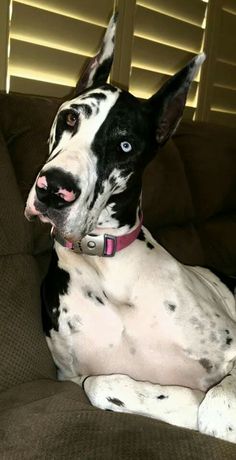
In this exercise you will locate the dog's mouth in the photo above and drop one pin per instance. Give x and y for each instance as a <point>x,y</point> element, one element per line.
<point>58,223</point>
<point>32,213</point>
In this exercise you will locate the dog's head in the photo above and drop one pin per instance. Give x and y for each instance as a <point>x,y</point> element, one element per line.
<point>99,144</point>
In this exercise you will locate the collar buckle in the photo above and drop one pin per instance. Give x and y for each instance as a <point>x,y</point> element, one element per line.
<point>96,245</point>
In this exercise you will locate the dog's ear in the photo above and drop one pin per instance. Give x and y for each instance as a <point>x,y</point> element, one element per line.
<point>167,105</point>
<point>98,68</point>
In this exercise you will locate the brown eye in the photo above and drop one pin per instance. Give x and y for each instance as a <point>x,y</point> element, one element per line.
<point>71,119</point>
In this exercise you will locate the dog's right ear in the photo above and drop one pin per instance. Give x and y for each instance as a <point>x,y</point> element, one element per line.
<point>98,68</point>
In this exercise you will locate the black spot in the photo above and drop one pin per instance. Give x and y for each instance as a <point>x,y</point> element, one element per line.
<point>227,331</point>
<point>141,236</point>
<point>171,306</point>
<point>116,401</point>
<point>94,297</point>
<point>99,300</point>
<point>97,96</point>
<point>109,87</point>
<point>229,340</point>
<point>206,364</point>
<point>162,397</point>
<point>217,314</point>
<point>54,285</point>
<point>104,294</point>
<point>230,428</point>
<point>65,310</point>
<point>70,325</point>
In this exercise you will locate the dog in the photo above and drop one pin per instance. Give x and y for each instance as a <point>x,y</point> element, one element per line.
<point>139,331</point>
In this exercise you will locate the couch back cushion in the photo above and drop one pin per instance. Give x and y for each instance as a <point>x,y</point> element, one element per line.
<point>190,196</point>
<point>23,352</point>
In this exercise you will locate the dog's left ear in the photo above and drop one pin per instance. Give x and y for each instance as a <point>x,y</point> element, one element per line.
<point>167,105</point>
<point>98,68</point>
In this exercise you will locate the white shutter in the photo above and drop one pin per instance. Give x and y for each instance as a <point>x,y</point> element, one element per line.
<point>167,33</point>
<point>217,99</point>
<point>50,41</point>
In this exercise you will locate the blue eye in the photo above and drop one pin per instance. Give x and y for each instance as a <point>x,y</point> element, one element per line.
<point>126,146</point>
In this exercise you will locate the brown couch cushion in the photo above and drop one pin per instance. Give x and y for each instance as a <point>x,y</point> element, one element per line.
<point>23,352</point>
<point>25,123</point>
<point>189,196</point>
<point>51,420</point>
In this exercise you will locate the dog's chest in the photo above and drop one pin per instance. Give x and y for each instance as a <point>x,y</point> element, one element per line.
<point>128,318</point>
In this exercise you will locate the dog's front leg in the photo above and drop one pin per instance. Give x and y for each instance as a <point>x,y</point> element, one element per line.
<point>120,393</point>
<point>217,412</point>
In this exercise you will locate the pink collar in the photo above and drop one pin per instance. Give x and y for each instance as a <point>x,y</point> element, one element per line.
<point>100,245</point>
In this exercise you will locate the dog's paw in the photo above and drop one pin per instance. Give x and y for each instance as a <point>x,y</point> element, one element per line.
<point>217,413</point>
<point>108,392</point>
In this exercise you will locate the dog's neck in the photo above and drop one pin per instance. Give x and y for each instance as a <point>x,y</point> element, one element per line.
<point>110,236</point>
<point>122,213</point>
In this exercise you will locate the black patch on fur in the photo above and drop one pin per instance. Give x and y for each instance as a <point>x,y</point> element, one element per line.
<point>171,306</point>
<point>162,397</point>
<point>97,96</point>
<point>104,294</point>
<point>116,401</point>
<point>94,297</point>
<point>229,340</point>
<point>141,236</point>
<point>99,300</point>
<point>206,364</point>
<point>109,87</point>
<point>150,245</point>
<point>54,284</point>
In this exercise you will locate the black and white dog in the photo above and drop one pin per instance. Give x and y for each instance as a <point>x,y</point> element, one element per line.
<point>140,331</point>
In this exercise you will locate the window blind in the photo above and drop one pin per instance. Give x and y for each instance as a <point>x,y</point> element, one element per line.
<point>167,34</point>
<point>50,41</point>
<point>223,98</point>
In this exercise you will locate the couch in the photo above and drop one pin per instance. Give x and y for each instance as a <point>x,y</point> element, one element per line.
<point>189,203</point>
